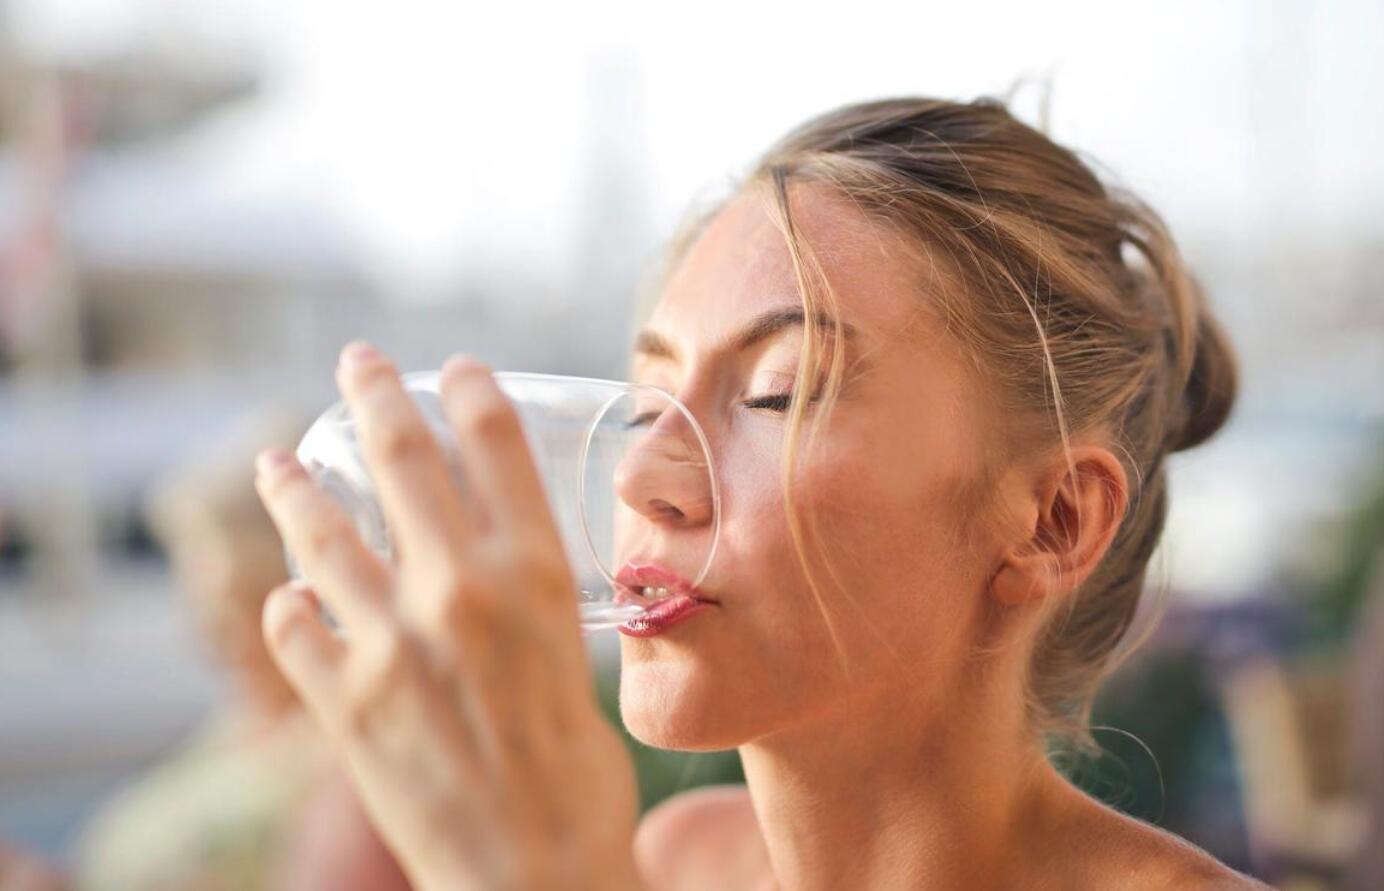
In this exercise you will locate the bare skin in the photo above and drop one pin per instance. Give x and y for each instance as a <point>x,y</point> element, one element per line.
<point>709,838</point>
<point>916,767</point>
<point>882,724</point>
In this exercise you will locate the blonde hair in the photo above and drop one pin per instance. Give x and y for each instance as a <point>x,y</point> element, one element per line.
<point>1074,303</point>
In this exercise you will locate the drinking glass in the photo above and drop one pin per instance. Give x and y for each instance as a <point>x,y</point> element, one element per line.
<point>602,449</point>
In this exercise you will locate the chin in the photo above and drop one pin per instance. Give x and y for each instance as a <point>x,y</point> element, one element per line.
<point>677,705</point>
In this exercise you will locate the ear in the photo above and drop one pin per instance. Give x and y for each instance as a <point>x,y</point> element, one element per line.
<point>1070,521</point>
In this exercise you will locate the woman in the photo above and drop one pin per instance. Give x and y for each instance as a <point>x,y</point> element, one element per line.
<point>940,366</point>
<point>211,813</point>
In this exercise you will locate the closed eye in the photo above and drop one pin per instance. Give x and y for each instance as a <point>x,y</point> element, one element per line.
<point>777,402</point>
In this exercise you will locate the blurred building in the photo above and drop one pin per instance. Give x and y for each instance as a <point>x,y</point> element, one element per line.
<point>143,312</point>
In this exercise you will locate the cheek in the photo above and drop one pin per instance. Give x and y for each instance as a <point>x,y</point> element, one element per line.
<point>880,529</point>
<point>891,526</point>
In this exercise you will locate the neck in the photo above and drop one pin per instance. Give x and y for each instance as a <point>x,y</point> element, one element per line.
<point>889,796</point>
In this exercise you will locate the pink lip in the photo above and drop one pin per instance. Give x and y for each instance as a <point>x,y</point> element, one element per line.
<point>683,600</point>
<point>663,615</point>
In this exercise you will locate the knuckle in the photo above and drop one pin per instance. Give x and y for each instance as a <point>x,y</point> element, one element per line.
<point>445,608</point>
<point>327,537</point>
<point>518,742</point>
<point>540,554</point>
<point>402,442</point>
<point>381,669</point>
<point>491,417</point>
<point>478,604</point>
<point>475,606</point>
<point>281,620</point>
<point>441,589</point>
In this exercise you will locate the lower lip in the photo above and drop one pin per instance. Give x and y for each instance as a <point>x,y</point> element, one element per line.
<point>662,616</point>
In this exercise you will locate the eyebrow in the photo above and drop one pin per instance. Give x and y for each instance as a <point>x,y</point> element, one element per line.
<point>654,345</point>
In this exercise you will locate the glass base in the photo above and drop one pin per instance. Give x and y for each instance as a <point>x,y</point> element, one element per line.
<point>599,615</point>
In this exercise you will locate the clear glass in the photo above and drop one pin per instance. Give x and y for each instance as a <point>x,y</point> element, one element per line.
<point>617,460</point>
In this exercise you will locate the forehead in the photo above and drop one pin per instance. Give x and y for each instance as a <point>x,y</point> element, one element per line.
<point>740,266</point>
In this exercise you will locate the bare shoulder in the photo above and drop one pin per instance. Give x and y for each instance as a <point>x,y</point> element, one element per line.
<point>1142,856</point>
<point>707,837</point>
<point>1190,867</point>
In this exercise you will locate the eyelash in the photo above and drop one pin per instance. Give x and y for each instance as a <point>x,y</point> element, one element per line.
<point>777,402</point>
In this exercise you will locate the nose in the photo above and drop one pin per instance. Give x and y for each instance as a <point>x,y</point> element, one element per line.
<point>665,475</point>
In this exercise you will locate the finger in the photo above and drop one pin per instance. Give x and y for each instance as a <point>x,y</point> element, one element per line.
<point>310,656</point>
<point>343,571</point>
<point>417,493</point>
<point>495,452</point>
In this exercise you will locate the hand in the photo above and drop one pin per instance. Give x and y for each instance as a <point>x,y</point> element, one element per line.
<point>458,693</point>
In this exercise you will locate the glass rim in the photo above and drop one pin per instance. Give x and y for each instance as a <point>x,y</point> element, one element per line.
<point>624,388</point>
<point>710,473</point>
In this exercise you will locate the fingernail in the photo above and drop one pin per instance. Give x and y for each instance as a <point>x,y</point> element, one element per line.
<point>357,352</point>
<point>273,461</point>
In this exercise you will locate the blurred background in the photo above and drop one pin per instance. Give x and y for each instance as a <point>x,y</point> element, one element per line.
<point>200,202</point>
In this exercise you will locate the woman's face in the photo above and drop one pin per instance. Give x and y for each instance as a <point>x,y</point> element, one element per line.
<point>891,481</point>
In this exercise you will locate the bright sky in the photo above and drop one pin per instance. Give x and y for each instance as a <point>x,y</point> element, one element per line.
<point>442,131</point>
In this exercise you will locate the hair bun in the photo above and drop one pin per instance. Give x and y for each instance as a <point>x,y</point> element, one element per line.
<point>1212,385</point>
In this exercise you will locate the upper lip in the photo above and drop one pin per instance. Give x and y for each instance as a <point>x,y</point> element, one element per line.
<point>638,574</point>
